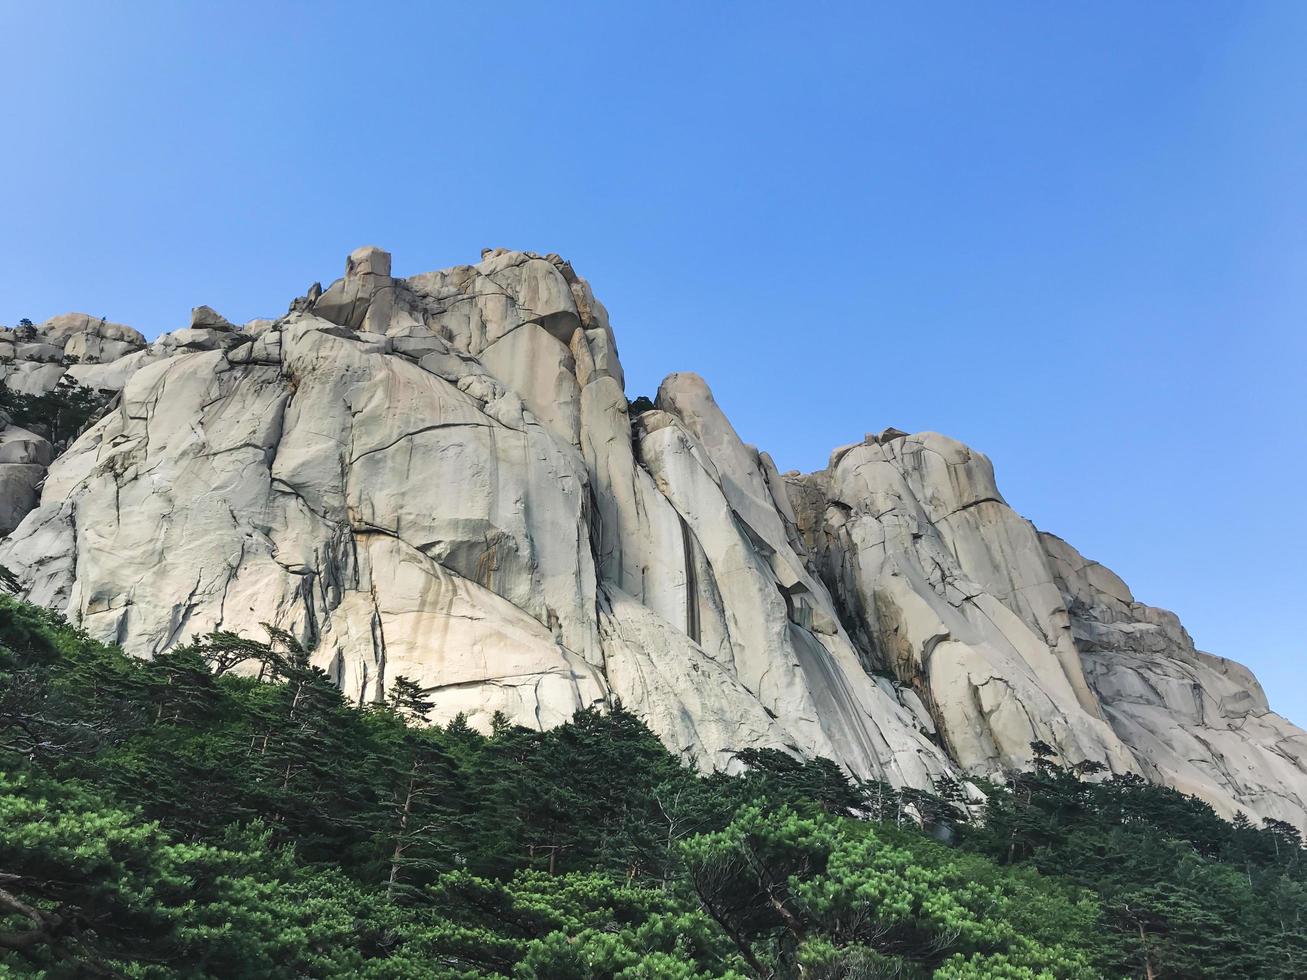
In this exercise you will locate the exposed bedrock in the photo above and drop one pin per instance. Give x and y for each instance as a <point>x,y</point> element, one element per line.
<point>439,477</point>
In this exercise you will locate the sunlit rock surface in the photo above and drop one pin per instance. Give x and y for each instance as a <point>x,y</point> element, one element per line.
<point>439,477</point>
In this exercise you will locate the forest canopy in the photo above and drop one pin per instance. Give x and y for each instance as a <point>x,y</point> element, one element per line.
<point>222,811</point>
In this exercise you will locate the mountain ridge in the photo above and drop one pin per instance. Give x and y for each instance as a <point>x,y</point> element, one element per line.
<point>439,477</point>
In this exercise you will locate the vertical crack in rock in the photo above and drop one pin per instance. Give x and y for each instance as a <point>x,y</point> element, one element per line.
<point>691,584</point>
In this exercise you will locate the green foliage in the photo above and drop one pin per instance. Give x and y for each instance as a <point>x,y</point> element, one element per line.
<point>222,811</point>
<point>60,414</point>
<point>818,894</point>
<point>1183,892</point>
<point>639,404</point>
<point>93,888</point>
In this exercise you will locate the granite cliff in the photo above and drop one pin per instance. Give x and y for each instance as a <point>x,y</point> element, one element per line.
<point>440,477</point>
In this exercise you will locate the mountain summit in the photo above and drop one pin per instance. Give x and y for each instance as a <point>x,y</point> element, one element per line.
<point>441,478</point>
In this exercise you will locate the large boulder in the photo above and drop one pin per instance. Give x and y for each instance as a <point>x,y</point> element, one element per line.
<point>24,457</point>
<point>63,329</point>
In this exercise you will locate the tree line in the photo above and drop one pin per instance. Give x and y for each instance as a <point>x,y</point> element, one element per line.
<point>222,811</point>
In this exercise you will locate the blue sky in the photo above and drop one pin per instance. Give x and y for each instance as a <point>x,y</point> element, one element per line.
<point>1072,235</point>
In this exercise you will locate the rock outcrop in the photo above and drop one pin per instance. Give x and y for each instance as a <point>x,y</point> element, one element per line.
<point>34,359</point>
<point>24,455</point>
<point>1194,721</point>
<point>34,362</point>
<point>440,477</point>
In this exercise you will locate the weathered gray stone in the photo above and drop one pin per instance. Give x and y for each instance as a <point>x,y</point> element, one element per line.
<point>366,261</point>
<point>39,353</point>
<point>60,329</point>
<point>32,377</point>
<point>24,457</point>
<point>207,318</point>
<point>114,375</point>
<point>1194,721</point>
<point>439,477</point>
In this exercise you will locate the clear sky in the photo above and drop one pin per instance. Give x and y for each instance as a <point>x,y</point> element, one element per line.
<point>1072,235</point>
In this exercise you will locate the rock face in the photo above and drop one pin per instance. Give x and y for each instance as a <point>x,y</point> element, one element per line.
<point>24,456</point>
<point>952,590</point>
<point>1194,721</point>
<point>34,361</point>
<point>439,477</point>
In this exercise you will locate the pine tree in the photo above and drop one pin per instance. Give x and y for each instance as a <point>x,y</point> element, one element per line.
<point>408,699</point>
<point>181,811</point>
<point>422,809</point>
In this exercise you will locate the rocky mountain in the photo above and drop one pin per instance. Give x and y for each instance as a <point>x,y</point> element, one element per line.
<point>441,477</point>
